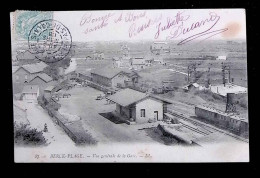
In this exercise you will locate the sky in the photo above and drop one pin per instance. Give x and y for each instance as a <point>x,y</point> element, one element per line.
<point>160,25</point>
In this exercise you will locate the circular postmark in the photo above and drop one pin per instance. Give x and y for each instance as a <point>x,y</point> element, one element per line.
<point>50,41</point>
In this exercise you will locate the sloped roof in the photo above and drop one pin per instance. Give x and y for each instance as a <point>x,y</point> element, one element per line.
<point>30,89</point>
<point>49,88</point>
<point>35,67</point>
<point>191,84</point>
<point>195,85</point>
<point>127,96</point>
<point>15,68</point>
<point>110,72</point>
<point>44,77</point>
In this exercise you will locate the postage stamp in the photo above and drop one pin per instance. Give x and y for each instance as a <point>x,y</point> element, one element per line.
<point>130,86</point>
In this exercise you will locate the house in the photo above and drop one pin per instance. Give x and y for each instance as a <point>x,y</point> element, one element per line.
<point>27,72</point>
<point>30,93</point>
<point>149,60</point>
<point>191,86</point>
<point>222,89</point>
<point>222,58</point>
<point>160,47</point>
<point>24,55</point>
<point>98,56</point>
<point>158,59</point>
<point>138,107</point>
<point>125,50</point>
<point>123,62</point>
<point>138,63</point>
<point>42,80</point>
<point>114,77</point>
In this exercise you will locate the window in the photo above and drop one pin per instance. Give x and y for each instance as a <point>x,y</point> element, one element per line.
<point>26,77</point>
<point>142,112</point>
<point>17,77</point>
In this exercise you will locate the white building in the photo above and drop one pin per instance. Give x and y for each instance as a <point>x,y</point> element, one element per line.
<point>30,93</point>
<point>138,107</point>
<point>221,58</point>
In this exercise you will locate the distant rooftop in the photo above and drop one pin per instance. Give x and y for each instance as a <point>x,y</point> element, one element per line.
<point>44,77</point>
<point>138,61</point>
<point>34,68</point>
<point>49,88</point>
<point>110,72</point>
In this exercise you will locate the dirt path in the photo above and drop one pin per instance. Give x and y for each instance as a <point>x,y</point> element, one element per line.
<point>37,117</point>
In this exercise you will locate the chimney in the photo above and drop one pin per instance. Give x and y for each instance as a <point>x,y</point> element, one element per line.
<point>230,105</point>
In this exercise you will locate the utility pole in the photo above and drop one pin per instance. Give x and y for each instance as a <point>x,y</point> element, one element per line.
<point>195,72</point>
<point>188,74</point>
<point>224,69</point>
<point>229,76</point>
<point>208,77</point>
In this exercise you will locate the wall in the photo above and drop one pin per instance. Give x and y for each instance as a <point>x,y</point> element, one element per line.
<point>150,105</point>
<point>101,80</point>
<point>31,96</point>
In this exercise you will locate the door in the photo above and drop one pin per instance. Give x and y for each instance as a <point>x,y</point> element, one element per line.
<point>156,115</point>
<point>130,113</point>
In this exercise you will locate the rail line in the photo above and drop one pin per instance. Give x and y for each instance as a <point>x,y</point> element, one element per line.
<point>207,127</point>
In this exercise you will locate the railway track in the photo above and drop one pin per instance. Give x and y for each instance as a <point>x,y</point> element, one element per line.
<point>205,126</point>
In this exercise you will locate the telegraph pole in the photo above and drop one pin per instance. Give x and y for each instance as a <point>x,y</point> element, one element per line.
<point>224,69</point>
<point>208,76</point>
<point>188,74</point>
<point>195,72</point>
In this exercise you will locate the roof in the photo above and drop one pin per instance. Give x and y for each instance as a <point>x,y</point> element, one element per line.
<point>49,88</point>
<point>228,88</point>
<point>44,77</point>
<point>191,84</point>
<point>195,85</point>
<point>35,67</point>
<point>15,68</point>
<point>127,96</point>
<point>30,89</point>
<point>110,72</point>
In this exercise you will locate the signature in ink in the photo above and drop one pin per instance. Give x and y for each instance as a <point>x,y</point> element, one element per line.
<point>178,29</point>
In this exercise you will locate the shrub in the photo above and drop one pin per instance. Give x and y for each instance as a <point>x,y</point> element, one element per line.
<point>53,106</point>
<point>23,135</point>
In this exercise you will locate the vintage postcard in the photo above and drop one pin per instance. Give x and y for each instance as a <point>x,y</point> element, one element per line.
<point>130,85</point>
